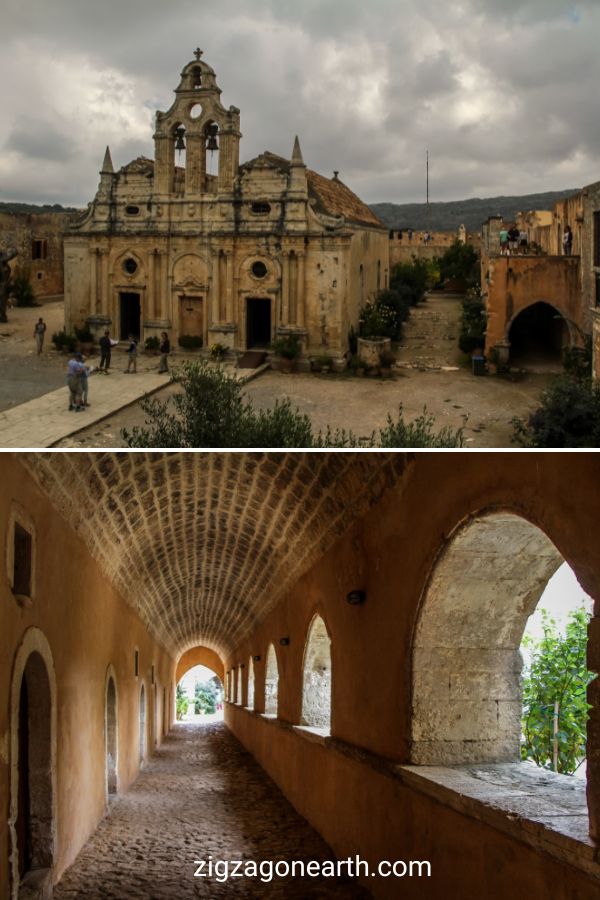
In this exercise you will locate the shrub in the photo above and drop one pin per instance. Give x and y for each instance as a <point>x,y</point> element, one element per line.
<point>411,280</point>
<point>190,341</point>
<point>182,703</point>
<point>64,342</point>
<point>461,262</point>
<point>568,416</point>
<point>577,361</point>
<point>218,351</point>
<point>377,321</point>
<point>473,323</point>
<point>84,335</point>
<point>152,342</point>
<point>419,433</point>
<point>287,347</point>
<point>22,289</point>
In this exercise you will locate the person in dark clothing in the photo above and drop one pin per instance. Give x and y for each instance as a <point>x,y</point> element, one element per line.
<point>105,351</point>
<point>165,349</point>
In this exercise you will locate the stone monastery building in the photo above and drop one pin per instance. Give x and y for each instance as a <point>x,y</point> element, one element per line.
<point>194,243</point>
<point>364,613</point>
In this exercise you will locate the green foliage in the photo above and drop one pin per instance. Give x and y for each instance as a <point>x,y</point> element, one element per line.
<point>287,347</point>
<point>577,361</point>
<point>64,342</point>
<point>218,351</point>
<point>461,262</point>
<point>211,412</point>
<point>473,323</point>
<point>412,279</point>
<point>21,288</point>
<point>378,321</point>
<point>557,674</point>
<point>182,704</point>
<point>205,698</point>
<point>568,416</point>
<point>152,342</point>
<point>84,335</point>
<point>190,341</point>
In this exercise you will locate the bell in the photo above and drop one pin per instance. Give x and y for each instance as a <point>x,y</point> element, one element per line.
<point>197,77</point>
<point>180,143</point>
<point>212,143</point>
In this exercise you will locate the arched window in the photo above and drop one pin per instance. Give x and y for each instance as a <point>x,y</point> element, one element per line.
<point>316,677</point>
<point>111,737</point>
<point>250,699</point>
<point>142,724</point>
<point>238,688</point>
<point>234,685</point>
<point>271,683</point>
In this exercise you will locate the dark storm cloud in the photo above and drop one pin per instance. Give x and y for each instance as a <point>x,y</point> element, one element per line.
<point>503,94</point>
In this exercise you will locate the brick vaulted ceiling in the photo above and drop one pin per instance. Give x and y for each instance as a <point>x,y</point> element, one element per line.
<point>203,545</point>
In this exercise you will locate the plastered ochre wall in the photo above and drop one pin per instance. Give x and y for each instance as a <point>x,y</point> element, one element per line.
<point>89,627</point>
<point>390,554</point>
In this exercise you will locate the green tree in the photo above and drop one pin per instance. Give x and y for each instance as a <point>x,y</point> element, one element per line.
<point>555,707</point>
<point>211,412</point>
<point>22,289</point>
<point>568,416</point>
<point>205,698</point>
<point>473,323</point>
<point>182,703</point>
<point>460,262</point>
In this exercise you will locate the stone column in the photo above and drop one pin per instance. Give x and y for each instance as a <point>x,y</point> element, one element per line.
<point>161,307</point>
<point>300,290</point>
<point>593,729</point>
<point>215,289</point>
<point>151,292</point>
<point>93,281</point>
<point>229,287</point>
<point>285,288</point>
<point>105,303</point>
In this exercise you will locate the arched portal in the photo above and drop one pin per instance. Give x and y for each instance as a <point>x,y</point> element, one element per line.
<point>32,816</point>
<point>316,677</point>
<point>142,724</point>
<point>111,737</point>
<point>538,335</point>
<point>271,682</point>
<point>466,691</point>
<point>250,699</point>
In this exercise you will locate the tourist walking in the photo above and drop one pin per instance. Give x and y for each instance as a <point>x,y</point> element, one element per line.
<point>38,332</point>
<point>567,240</point>
<point>75,373</point>
<point>105,352</point>
<point>132,356</point>
<point>165,349</point>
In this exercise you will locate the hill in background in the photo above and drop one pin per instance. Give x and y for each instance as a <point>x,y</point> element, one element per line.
<point>471,213</point>
<point>35,208</point>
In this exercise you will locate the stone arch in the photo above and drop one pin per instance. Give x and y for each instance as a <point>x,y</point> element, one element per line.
<point>271,683</point>
<point>250,689</point>
<point>540,329</point>
<point>466,663</point>
<point>111,734</point>
<point>32,814</point>
<point>316,677</point>
<point>142,721</point>
<point>200,656</point>
<point>191,270</point>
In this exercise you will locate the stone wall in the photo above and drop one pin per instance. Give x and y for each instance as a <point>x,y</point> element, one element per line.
<point>39,239</point>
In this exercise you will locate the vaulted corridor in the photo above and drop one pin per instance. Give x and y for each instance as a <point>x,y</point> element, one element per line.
<point>200,795</point>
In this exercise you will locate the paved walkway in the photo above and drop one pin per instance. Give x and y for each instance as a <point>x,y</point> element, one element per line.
<point>46,420</point>
<point>201,795</point>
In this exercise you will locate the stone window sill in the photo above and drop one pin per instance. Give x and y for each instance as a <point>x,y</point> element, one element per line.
<point>539,807</point>
<point>310,733</point>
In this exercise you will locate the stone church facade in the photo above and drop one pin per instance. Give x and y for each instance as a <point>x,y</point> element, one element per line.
<point>193,243</point>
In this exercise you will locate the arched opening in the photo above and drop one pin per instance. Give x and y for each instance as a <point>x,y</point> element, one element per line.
<point>111,737</point>
<point>142,724</point>
<point>165,724</point>
<point>202,691</point>
<point>538,335</point>
<point>238,687</point>
<point>180,157</point>
<point>34,825</point>
<point>316,677</point>
<point>271,682</point>
<point>211,139</point>
<point>250,698</point>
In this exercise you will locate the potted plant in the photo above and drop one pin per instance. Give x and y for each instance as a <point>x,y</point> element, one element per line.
<point>288,350</point>
<point>190,341</point>
<point>64,343</point>
<point>85,340</point>
<point>152,345</point>
<point>218,352</point>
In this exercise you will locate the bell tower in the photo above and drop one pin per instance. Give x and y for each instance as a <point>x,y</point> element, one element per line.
<point>199,126</point>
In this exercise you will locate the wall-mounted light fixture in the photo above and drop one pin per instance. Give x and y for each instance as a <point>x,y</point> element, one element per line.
<point>257,659</point>
<point>284,641</point>
<point>242,665</point>
<point>355,598</point>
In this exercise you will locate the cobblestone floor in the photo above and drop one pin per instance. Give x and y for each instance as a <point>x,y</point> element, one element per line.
<point>201,795</point>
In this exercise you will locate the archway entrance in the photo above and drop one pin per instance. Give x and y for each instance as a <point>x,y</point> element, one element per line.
<point>142,724</point>
<point>316,678</point>
<point>538,335</point>
<point>130,315</point>
<point>271,683</point>
<point>34,822</point>
<point>111,738</point>
<point>258,322</point>
<point>200,696</point>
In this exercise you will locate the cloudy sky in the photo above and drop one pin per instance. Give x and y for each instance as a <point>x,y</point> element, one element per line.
<point>504,94</point>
